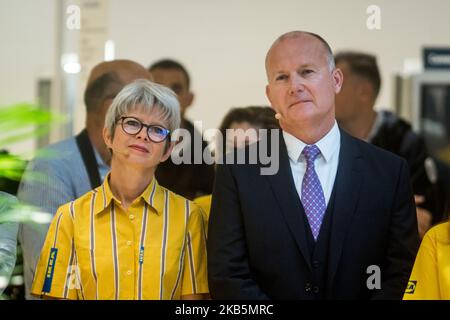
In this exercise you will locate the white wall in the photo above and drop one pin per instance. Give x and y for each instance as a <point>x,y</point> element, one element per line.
<point>223,43</point>
<point>27,51</point>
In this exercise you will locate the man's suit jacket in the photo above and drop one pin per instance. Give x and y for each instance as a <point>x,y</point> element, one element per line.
<point>257,248</point>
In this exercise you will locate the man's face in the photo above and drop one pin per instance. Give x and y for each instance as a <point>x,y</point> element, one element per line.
<point>348,100</point>
<point>175,80</point>
<point>301,86</point>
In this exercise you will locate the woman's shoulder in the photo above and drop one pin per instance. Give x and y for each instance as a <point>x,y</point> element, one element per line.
<point>439,233</point>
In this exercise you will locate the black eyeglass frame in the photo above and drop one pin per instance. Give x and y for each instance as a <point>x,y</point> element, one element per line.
<point>148,126</point>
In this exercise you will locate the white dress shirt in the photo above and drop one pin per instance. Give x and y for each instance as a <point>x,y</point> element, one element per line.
<point>325,165</point>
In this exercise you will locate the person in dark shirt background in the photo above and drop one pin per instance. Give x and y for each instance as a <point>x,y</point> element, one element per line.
<point>355,114</point>
<point>189,180</point>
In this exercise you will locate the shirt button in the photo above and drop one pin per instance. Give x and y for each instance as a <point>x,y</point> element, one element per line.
<point>129,243</point>
<point>316,264</point>
<point>129,272</point>
<point>131,216</point>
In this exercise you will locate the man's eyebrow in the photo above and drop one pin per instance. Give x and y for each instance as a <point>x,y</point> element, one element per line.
<point>303,66</point>
<point>307,65</point>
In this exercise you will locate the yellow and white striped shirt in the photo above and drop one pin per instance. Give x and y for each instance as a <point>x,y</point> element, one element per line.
<point>94,249</point>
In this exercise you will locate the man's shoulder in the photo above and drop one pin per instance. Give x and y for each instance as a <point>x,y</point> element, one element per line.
<point>61,160</point>
<point>63,152</point>
<point>65,147</point>
<point>369,151</point>
<point>395,132</point>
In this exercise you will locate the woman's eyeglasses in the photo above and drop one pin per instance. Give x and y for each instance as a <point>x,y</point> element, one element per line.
<point>133,126</point>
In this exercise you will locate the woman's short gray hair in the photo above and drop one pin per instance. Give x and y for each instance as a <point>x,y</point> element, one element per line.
<point>148,97</point>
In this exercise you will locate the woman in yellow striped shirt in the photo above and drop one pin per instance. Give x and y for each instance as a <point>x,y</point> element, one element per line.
<point>130,238</point>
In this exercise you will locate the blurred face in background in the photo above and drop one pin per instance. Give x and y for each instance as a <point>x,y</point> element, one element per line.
<point>175,80</point>
<point>349,101</point>
<point>241,134</point>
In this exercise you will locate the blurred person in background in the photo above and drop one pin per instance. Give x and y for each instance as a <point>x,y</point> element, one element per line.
<point>187,179</point>
<point>355,114</point>
<point>245,118</point>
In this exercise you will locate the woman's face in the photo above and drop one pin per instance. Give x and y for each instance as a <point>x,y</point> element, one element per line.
<point>137,150</point>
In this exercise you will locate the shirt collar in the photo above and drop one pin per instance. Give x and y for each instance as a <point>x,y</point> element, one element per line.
<point>153,195</point>
<point>327,145</point>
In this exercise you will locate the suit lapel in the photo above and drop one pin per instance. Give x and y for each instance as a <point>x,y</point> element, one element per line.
<point>348,184</point>
<point>283,187</point>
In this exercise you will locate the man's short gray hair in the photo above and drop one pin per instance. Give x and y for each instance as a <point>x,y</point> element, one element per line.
<point>146,96</point>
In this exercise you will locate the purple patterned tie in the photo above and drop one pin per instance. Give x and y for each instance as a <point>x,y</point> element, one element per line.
<point>313,199</point>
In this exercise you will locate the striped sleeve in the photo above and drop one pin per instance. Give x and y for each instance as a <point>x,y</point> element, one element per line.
<point>53,276</point>
<point>195,277</point>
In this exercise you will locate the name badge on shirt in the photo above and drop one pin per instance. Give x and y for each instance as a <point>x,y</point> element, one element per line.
<point>50,270</point>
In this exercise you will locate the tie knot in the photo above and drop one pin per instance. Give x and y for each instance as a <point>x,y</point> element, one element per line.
<point>311,152</point>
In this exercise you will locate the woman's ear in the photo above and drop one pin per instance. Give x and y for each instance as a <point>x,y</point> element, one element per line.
<point>168,151</point>
<point>107,138</point>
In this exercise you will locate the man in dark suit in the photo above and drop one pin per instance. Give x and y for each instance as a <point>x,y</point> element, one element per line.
<point>337,221</point>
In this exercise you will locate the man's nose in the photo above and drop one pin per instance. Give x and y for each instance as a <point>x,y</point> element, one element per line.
<point>296,84</point>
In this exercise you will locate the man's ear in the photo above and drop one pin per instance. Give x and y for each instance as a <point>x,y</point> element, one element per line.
<point>189,99</point>
<point>338,80</point>
<point>107,138</point>
<point>277,114</point>
<point>168,151</point>
<point>268,94</point>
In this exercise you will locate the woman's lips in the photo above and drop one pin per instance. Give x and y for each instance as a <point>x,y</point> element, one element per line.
<point>139,148</point>
<point>299,102</point>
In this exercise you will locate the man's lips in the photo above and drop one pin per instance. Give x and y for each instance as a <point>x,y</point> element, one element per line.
<point>139,148</point>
